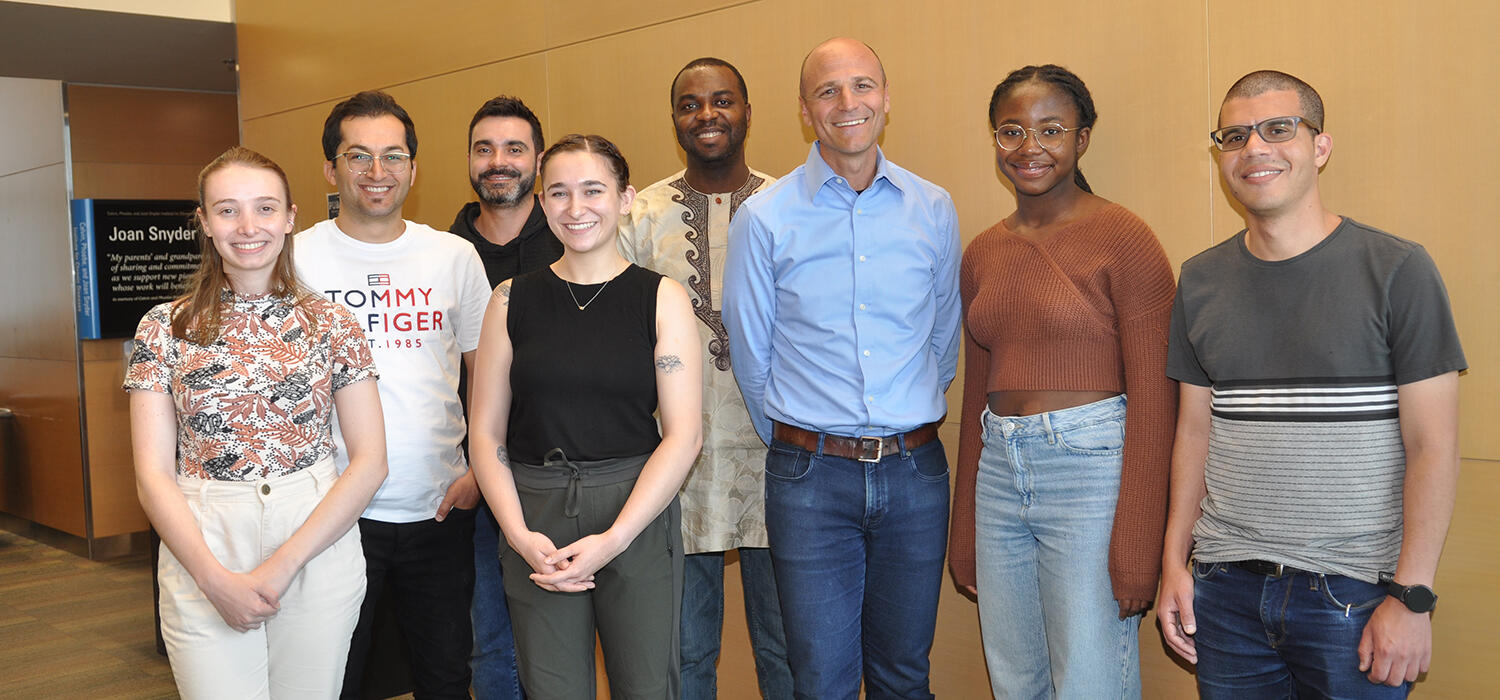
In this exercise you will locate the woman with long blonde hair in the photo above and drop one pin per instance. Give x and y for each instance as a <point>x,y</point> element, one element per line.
<point>232,387</point>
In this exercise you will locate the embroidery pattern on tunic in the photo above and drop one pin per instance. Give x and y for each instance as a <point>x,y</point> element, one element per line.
<point>701,282</point>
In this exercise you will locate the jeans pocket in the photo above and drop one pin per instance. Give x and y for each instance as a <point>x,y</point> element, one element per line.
<point>929,463</point>
<point>1102,438</point>
<point>786,462</point>
<point>1347,593</point>
<point>1205,571</point>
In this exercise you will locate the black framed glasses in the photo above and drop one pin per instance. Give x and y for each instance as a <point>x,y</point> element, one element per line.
<point>1273,130</point>
<point>359,162</point>
<point>1049,136</point>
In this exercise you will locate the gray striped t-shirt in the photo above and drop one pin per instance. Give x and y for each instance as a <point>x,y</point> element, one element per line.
<point>1304,356</point>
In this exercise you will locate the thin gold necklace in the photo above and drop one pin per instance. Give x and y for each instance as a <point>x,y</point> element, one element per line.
<point>584,305</point>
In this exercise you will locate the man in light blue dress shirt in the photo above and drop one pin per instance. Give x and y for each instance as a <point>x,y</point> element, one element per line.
<point>841,302</point>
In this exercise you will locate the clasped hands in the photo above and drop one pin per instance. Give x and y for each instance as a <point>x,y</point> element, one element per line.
<point>245,600</point>
<point>568,569</point>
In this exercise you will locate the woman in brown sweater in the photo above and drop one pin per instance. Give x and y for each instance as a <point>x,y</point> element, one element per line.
<point>1067,412</point>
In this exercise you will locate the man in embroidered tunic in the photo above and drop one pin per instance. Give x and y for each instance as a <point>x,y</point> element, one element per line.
<point>1316,457</point>
<point>680,228</point>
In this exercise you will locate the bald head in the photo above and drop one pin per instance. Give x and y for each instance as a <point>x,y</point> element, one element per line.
<point>832,52</point>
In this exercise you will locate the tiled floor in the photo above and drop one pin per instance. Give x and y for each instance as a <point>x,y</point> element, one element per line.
<point>74,628</point>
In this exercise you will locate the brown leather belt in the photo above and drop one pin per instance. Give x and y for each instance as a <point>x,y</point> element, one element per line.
<point>864,449</point>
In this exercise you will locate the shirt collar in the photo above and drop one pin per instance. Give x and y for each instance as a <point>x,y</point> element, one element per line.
<point>819,173</point>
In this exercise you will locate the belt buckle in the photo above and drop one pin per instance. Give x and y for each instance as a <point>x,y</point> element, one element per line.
<point>864,441</point>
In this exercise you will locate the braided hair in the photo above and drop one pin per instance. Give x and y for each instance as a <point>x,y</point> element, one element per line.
<point>1062,79</point>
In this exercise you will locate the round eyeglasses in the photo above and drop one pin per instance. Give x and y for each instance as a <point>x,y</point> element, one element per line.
<point>1273,130</point>
<point>1048,136</point>
<point>359,162</point>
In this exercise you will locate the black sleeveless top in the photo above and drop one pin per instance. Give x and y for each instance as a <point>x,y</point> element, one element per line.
<point>583,380</point>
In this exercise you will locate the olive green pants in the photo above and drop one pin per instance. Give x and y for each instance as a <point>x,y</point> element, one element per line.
<point>636,603</point>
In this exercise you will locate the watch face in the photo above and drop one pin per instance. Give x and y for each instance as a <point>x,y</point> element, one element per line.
<point>1419,599</point>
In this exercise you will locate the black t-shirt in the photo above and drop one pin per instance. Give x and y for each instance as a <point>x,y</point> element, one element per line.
<point>583,380</point>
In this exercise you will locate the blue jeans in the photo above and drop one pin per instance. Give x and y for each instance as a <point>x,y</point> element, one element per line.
<point>858,549</point>
<point>494,658</point>
<point>1044,509</point>
<point>1289,636</point>
<point>703,623</point>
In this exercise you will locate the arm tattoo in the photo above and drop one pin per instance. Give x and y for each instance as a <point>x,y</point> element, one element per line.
<point>503,455</point>
<point>668,363</point>
<point>502,293</point>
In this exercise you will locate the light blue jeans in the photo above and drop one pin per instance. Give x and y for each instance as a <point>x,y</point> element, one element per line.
<point>1044,507</point>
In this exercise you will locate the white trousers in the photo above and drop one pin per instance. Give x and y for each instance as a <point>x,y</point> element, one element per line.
<point>299,653</point>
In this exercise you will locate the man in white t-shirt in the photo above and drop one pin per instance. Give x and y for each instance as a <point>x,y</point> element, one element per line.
<point>420,296</point>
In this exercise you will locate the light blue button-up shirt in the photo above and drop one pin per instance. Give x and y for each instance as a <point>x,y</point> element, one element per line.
<point>842,307</point>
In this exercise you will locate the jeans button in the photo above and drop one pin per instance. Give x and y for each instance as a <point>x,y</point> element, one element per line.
<point>265,489</point>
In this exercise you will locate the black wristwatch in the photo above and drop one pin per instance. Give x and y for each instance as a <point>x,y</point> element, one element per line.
<point>1418,599</point>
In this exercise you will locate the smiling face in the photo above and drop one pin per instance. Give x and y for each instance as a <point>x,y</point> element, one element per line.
<point>246,215</point>
<point>502,160</point>
<point>378,193</point>
<point>710,114</point>
<point>844,98</point>
<point>1272,179</point>
<point>583,200</point>
<point>1034,170</point>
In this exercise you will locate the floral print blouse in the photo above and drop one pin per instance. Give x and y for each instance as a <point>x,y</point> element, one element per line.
<point>258,402</point>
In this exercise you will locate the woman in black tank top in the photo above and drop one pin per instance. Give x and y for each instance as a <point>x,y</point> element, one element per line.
<point>573,362</point>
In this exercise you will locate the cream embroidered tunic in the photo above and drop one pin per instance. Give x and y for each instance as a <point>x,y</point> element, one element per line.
<point>683,234</point>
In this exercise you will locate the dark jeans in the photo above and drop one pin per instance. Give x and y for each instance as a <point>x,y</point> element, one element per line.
<point>494,657</point>
<point>858,550</point>
<point>430,565</point>
<point>1289,636</point>
<point>703,624</point>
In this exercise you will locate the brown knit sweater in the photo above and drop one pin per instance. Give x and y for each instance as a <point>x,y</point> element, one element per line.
<point>1087,309</point>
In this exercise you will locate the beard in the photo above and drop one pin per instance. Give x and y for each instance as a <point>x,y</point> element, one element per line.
<point>507,196</point>
<point>736,143</point>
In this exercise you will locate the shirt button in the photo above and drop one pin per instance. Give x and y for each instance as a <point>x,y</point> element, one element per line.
<point>861,258</point>
<point>861,307</point>
<point>867,353</point>
<point>869,399</point>
<point>859,211</point>
<point>265,489</point>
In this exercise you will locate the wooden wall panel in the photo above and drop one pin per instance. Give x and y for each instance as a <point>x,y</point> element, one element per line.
<point>111,464</point>
<point>573,22</point>
<point>44,483</point>
<point>1157,70</point>
<point>131,125</point>
<point>294,54</point>
<point>137,180</point>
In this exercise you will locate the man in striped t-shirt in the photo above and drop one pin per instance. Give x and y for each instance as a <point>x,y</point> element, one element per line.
<point>1316,456</point>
